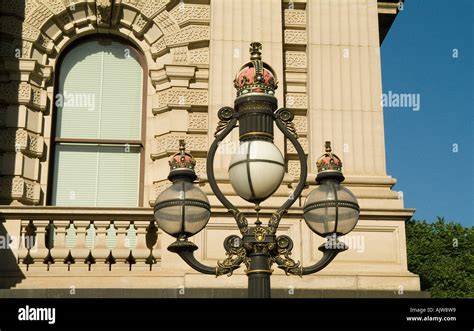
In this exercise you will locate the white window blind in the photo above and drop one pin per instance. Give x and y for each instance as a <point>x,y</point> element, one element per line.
<point>96,176</point>
<point>101,91</point>
<point>99,98</point>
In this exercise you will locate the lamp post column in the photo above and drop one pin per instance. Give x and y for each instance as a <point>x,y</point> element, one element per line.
<point>259,274</point>
<point>259,245</point>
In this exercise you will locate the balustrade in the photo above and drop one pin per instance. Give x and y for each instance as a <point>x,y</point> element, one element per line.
<point>88,238</point>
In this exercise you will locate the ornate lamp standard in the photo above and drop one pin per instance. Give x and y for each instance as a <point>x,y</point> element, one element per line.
<point>255,173</point>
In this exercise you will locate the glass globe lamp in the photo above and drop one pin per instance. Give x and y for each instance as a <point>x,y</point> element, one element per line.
<point>182,210</point>
<point>331,208</point>
<point>256,170</point>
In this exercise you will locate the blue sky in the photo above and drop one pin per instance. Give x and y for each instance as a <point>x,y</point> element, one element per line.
<point>418,57</point>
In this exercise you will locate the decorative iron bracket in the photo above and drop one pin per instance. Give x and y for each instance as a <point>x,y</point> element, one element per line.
<point>284,122</point>
<point>227,123</point>
<point>236,254</point>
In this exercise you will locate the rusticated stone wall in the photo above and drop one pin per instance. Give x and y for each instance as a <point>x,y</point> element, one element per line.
<point>174,38</point>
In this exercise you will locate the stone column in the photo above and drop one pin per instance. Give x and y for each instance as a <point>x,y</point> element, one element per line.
<point>345,84</point>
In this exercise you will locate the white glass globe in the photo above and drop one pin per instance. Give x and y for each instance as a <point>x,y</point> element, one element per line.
<point>331,208</point>
<point>256,170</point>
<point>182,209</point>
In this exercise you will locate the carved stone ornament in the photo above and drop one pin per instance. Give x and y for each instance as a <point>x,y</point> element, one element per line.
<point>104,9</point>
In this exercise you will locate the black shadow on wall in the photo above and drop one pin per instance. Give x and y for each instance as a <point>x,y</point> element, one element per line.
<point>12,14</point>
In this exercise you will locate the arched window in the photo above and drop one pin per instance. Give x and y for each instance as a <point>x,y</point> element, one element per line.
<point>98,139</point>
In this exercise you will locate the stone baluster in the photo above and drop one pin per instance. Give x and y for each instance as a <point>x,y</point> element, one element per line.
<point>27,242</point>
<point>80,252</point>
<point>59,251</point>
<point>141,252</point>
<point>50,234</point>
<point>121,251</point>
<point>131,244</point>
<point>153,244</point>
<point>111,243</point>
<point>100,250</point>
<point>90,243</point>
<point>40,251</point>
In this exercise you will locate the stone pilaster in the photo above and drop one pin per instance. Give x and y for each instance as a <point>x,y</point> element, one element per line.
<point>235,24</point>
<point>344,77</point>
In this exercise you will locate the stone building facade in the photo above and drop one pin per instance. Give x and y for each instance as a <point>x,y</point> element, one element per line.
<point>326,54</point>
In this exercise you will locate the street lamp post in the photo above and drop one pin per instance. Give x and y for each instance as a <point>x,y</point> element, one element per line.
<point>255,173</point>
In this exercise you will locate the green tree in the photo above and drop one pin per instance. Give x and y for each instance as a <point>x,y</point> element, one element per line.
<point>442,254</point>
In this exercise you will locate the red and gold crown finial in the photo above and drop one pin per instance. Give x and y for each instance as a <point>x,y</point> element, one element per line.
<point>256,76</point>
<point>329,162</point>
<point>182,160</point>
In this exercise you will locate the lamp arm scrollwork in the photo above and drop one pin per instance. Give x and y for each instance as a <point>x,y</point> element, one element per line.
<point>284,247</point>
<point>327,258</point>
<point>227,124</point>
<point>185,249</point>
<point>330,250</point>
<point>190,259</point>
<point>291,267</point>
<point>236,255</point>
<point>284,122</point>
